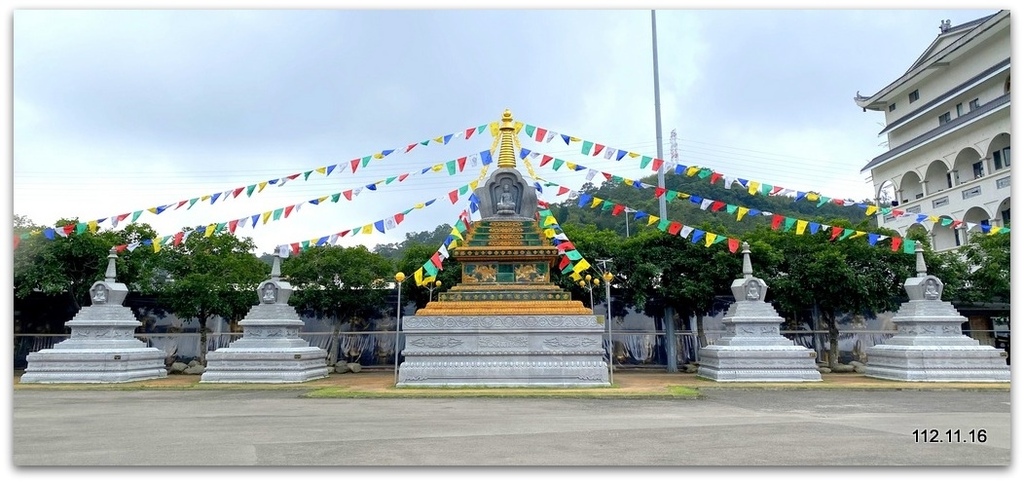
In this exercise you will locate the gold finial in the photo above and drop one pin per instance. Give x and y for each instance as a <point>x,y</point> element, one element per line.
<point>506,147</point>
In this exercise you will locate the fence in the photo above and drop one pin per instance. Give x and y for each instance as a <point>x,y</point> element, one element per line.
<point>376,348</point>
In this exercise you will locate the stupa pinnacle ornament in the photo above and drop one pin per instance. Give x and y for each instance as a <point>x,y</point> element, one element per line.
<point>506,141</point>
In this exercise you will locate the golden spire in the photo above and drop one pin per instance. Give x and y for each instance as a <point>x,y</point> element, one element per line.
<point>506,136</point>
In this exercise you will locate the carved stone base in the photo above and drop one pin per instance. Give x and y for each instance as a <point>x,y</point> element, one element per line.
<point>503,351</point>
<point>929,346</point>
<point>94,365</point>
<point>102,349</point>
<point>779,363</point>
<point>272,365</point>
<point>937,363</point>
<point>269,351</point>
<point>753,349</point>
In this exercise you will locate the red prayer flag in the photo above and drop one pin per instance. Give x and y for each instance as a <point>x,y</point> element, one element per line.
<point>659,192</point>
<point>17,241</point>
<point>674,227</point>
<point>413,145</point>
<point>718,205</point>
<point>348,194</point>
<point>617,209</point>
<point>545,160</point>
<point>896,242</point>
<point>597,149</point>
<point>402,177</point>
<point>288,210</point>
<point>563,263</point>
<point>715,177</point>
<point>232,225</point>
<point>462,163</point>
<point>541,132</point>
<point>454,196</point>
<point>295,248</point>
<point>657,164</point>
<point>120,248</point>
<point>776,221</point>
<point>436,259</point>
<point>355,164</point>
<point>836,231</point>
<point>234,195</point>
<point>470,132</point>
<point>562,190</point>
<point>734,245</point>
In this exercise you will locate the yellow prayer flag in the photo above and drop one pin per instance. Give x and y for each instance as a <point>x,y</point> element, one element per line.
<point>571,166</point>
<point>473,184</point>
<point>549,220</point>
<point>367,229</point>
<point>627,182</point>
<point>151,210</point>
<point>156,245</point>
<point>263,184</point>
<point>322,199</point>
<point>574,139</point>
<point>632,154</point>
<point>740,211</point>
<point>437,167</point>
<point>418,276</point>
<point>753,187</point>
<point>549,232</point>
<point>871,210</point>
<point>322,170</point>
<point>575,277</point>
<point>517,126</point>
<point>92,226</point>
<point>204,197</point>
<point>801,226</point>
<point>859,233</point>
<point>597,201</point>
<point>581,265</point>
<point>812,197</point>
<point>494,128</point>
<point>455,233</point>
<point>651,219</point>
<point>692,170</point>
<point>266,216</point>
<point>378,156</point>
<point>933,218</point>
<point>209,230</point>
<point>709,238</point>
<point>418,205</point>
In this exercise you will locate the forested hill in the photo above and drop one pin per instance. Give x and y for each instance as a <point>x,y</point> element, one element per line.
<point>684,210</point>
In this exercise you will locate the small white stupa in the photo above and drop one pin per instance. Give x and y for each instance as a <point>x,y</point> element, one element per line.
<point>102,347</point>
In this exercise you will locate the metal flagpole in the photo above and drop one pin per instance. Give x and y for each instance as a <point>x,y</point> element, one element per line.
<point>669,320</point>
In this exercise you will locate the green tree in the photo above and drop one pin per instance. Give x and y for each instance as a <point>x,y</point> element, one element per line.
<point>665,270</point>
<point>68,265</point>
<point>212,276</point>
<point>413,258</point>
<point>988,259</point>
<point>346,285</point>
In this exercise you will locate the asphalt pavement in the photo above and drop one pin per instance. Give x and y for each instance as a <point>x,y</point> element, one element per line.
<point>725,427</point>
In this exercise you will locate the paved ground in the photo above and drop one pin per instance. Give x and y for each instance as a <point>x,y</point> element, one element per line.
<point>833,424</point>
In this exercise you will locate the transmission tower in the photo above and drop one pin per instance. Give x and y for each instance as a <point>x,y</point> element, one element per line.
<point>673,148</point>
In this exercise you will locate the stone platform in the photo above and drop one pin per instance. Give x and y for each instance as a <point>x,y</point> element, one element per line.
<point>503,351</point>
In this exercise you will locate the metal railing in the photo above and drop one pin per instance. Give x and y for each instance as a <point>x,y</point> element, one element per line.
<point>376,348</point>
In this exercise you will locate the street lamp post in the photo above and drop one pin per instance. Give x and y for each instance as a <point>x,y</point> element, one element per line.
<point>399,277</point>
<point>608,300</point>
<point>436,285</point>
<point>590,288</point>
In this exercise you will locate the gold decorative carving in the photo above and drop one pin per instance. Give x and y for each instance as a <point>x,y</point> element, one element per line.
<point>485,273</point>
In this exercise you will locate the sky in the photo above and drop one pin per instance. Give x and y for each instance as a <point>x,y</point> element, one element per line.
<point>117,111</point>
